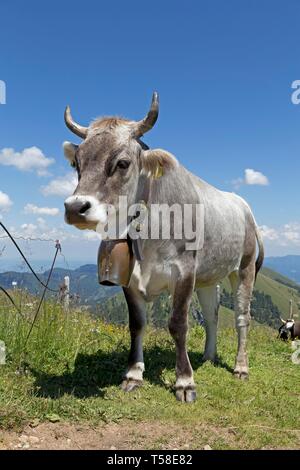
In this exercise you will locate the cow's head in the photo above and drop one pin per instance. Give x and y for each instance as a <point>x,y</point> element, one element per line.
<point>286,329</point>
<point>109,163</point>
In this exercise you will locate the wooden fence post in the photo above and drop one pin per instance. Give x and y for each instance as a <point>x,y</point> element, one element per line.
<point>66,293</point>
<point>291,309</point>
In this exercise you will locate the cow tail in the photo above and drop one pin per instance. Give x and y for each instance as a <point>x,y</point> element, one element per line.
<point>261,251</point>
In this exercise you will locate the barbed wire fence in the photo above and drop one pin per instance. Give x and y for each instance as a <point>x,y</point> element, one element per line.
<point>17,294</point>
<point>73,291</point>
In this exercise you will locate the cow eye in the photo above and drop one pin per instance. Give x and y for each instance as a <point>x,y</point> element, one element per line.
<point>123,164</point>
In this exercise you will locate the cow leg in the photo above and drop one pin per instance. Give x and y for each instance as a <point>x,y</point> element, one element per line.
<point>210,302</point>
<point>178,326</point>
<point>133,377</point>
<point>242,285</point>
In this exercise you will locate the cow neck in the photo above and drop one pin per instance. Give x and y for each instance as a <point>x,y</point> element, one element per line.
<point>146,190</point>
<point>142,198</point>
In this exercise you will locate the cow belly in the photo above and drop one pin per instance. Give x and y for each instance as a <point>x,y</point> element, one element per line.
<point>150,282</point>
<point>213,267</point>
<point>223,247</point>
<point>204,278</point>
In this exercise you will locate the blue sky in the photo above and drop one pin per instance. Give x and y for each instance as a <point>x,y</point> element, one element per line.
<point>223,70</point>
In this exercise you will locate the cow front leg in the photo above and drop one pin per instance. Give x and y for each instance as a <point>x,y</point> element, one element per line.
<point>178,326</point>
<point>133,376</point>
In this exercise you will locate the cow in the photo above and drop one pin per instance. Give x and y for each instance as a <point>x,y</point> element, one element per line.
<point>290,329</point>
<point>112,161</point>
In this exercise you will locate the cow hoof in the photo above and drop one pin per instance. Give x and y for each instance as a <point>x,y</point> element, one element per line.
<point>128,385</point>
<point>242,375</point>
<point>186,395</point>
<point>209,358</point>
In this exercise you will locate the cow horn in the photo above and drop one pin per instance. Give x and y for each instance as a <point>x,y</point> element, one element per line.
<point>73,126</point>
<point>143,126</point>
<point>283,321</point>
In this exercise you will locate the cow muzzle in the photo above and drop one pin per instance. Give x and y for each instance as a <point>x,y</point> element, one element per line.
<point>85,212</point>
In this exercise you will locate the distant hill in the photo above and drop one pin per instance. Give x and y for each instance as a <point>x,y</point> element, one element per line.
<point>271,299</point>
<point>83,282</point>
<point>272,294</point>
<point>287,265</point>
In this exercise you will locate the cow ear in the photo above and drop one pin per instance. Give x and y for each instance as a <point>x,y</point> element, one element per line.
<point>157,162</point>
<point>70,151</point>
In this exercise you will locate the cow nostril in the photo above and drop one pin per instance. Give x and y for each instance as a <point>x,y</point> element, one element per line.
<point>86,206</point>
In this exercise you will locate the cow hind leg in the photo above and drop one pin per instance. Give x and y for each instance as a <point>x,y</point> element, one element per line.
<point>133,377</point>
<point>210,302</point>
<point>242,283</point>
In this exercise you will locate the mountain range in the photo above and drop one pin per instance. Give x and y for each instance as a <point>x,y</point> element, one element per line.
<point>276,288</point>
<point>287,265</point>
<point>83,283</point>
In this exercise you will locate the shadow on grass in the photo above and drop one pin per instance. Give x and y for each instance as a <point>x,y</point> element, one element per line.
<point>93,372</point>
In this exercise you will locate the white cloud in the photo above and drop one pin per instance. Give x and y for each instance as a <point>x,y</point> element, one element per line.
<point>5,202</point>
<point>251,178</point>
<point>39,229</point>
<point>42,231</point>
<point>286,235</point>
<point>269,233</point>
<point>29,159</point>
<point>32,209</point>
<point>291,232</point>
<point>90,235</point>
<point>61,186</point>
<point>28,229</point>
<point>237,183</point>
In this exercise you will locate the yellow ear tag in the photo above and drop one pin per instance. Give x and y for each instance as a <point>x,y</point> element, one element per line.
<point>158,172</point>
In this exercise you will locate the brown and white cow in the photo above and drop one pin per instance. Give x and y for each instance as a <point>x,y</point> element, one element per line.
<point>290,329</point>
<point>112,161</point>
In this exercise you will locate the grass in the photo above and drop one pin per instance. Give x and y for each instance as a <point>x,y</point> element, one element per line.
<point>73,366</point>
